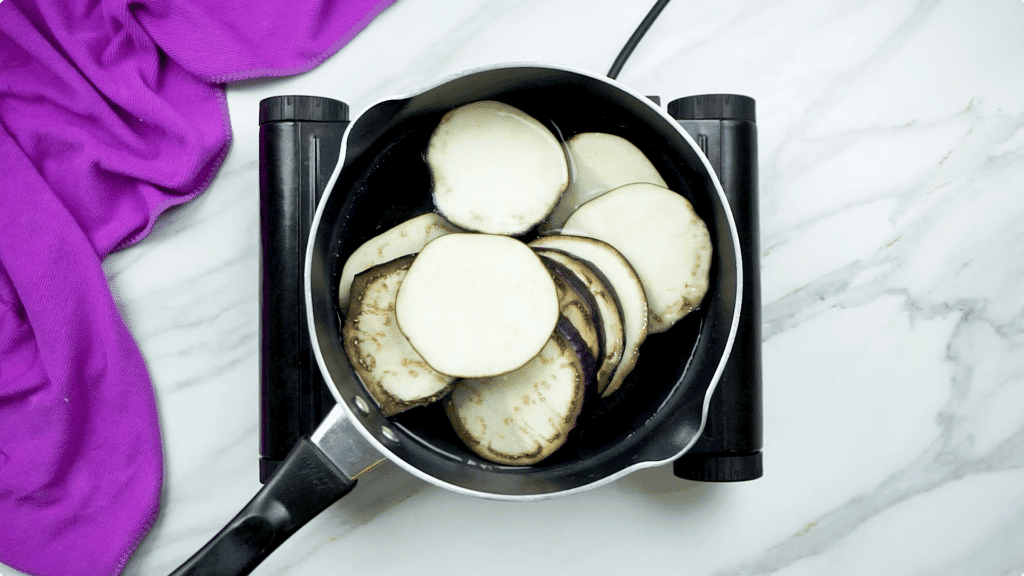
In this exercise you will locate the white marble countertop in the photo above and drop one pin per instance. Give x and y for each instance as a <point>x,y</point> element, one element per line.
<point>891,139</point>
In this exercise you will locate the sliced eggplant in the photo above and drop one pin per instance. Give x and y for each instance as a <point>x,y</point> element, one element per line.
<point>577,306</point>
<point>628,290</point>
<point>395,376</point>
<point>494,168</point>
<point>612,332</point>
<point>522,417</point>
<point>663,238</point>
<point>477,305</point>
<point>409,237</point>
<point>598,163</point>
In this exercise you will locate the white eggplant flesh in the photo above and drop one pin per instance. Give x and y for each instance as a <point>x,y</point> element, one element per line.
<point>495,169</point>
<point>611,329</point>
<point>599,162</point>
<point>661,235</point>
<point>477,305</point>
<point>522,417</point>
<point>628,289</point>
<point>392,372</point>
<point>409,237</point>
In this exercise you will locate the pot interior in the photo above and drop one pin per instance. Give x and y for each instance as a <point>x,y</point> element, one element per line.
<point>658,411</point>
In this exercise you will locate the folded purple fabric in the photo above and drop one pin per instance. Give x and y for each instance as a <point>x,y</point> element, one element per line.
<point>110,112</point>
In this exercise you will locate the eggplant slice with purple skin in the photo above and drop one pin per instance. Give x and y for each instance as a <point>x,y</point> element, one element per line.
<point>577,305</point>
<point>628,290</point>
<point>522,417</point>
<point>393,373</point>
<point>608,317</point>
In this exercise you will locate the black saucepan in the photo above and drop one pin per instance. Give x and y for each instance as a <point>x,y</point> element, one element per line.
<point>382,180</point>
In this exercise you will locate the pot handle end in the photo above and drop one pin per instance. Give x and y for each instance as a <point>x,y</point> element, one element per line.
<point>305,484</point>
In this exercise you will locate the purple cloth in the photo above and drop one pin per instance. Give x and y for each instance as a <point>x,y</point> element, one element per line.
<point>110,112</point>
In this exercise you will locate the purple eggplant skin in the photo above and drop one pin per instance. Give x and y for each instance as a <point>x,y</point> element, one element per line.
<point>588,360</point>
<point>593,409</point>
<point>592,313</point>
<point>572,307</point>
<point>631,303</point>
<point>609,315</point>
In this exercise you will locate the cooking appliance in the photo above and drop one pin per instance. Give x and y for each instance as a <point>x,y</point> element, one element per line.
<point>657,417</point>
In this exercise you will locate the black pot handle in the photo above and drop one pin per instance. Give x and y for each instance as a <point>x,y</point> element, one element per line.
<point>305,485</point>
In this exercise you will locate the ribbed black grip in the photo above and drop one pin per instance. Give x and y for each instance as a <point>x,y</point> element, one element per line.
<point>302,109</point>
<point>714,107</point>
<point>306,484</point>
<point>729,449</point>
<point>300,142</point>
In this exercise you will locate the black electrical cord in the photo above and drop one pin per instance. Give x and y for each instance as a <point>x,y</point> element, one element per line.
<point>635,38</point>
